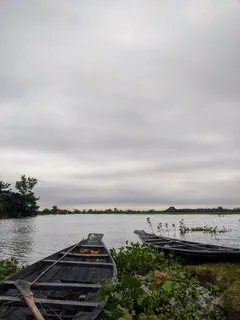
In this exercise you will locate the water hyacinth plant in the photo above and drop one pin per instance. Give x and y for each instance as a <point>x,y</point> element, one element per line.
<point>8,267</point>
<point>205,229</point>
<point>149,223</point>
<point>160,228</point>
<point>152,287</point>
<point>183,229</point>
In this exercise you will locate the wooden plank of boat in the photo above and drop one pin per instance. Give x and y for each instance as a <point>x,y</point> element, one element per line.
<point>171,240</point>
<point>91,246</point>
<point>81,316</point>
<point>189,250</point>
<point>189,245</point>
<point>67,280</point>
<point>57,285</point>
<point>149,237</point>
<point>145,237</point>
<point>85,255</point>
<point>15,301</point>
<point>79,263</point>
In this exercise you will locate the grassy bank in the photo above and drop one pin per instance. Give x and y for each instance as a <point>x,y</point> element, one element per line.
<point>227,277</point>
<point>152,287</point>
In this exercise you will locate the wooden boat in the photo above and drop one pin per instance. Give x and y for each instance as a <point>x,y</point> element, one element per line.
<point>64,285</point>
<point>193,252</point>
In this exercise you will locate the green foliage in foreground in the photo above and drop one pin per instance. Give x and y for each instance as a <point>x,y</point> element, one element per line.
<point>152,287</point>
<point>227,277</point>
<point>8,267</point>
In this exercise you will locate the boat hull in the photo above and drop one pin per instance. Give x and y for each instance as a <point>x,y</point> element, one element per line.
<point>68,290</point>
<point>191,252</point>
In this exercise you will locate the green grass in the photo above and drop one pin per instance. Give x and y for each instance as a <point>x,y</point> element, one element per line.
<point>227,277</point>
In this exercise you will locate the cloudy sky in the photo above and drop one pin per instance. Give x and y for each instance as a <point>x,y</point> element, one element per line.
<point>125,103</point>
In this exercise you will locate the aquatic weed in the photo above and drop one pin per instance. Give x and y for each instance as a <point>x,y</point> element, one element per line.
<point>153,287</point>
<point>8,267</point>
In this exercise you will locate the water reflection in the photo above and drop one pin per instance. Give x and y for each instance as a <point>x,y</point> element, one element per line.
<point>17,238</point>
<point>31,239</point>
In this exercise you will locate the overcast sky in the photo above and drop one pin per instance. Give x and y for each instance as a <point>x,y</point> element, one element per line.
<point>122,103</point>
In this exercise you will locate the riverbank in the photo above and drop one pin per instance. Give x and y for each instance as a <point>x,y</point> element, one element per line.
<point>142,213</point>
<point>171,210</point>
<point>226,276</point>
<point>153,287</point>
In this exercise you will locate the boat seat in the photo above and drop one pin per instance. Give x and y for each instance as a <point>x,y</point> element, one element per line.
<point>94,255</point>
<point>57,285</point>
<point>79,263</point>
<point>15,301</point>
<point>91,246</point>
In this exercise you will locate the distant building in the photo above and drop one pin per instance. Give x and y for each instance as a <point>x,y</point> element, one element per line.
<point>171,209</point>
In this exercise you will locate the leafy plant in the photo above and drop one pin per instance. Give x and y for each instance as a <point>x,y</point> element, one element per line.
<point>152,287</point>
<point>8,267</point>
<point>21,202</point>
<point>137,258</point>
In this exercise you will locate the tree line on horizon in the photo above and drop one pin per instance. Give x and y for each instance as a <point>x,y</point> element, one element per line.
<point>219,210</point>
<point>22,202</point>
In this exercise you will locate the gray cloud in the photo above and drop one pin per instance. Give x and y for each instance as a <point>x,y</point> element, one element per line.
<point>125,103</point>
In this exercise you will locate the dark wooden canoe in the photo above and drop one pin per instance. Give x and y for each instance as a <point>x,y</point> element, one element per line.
<point>69,289</point>
<point>193,252</point>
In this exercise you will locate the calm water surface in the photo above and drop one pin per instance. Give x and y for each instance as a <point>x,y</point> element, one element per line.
<point>30,239</point>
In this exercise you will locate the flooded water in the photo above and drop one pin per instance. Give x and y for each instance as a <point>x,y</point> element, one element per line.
<point>30,239</point>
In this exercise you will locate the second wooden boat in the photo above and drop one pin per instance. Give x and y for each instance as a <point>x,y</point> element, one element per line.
<point>64,285</point>
<point>190,251</point>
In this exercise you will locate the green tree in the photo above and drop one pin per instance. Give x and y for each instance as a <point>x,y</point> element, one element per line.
<point>25,185</point>
<point>5,194</point>
<point>25,201</point>
<point>46,211</point>
<point>4,187</point>
<point>55,209</point>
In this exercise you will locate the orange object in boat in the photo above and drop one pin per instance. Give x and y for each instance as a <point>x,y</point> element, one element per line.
<point>89,251</point>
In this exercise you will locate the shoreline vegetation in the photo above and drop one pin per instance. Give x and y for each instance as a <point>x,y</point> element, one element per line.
<point>55,210</point>
<point>220,211</point>
<point>22,202</point>
<point>8,267</point>
<point>151,286</point>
